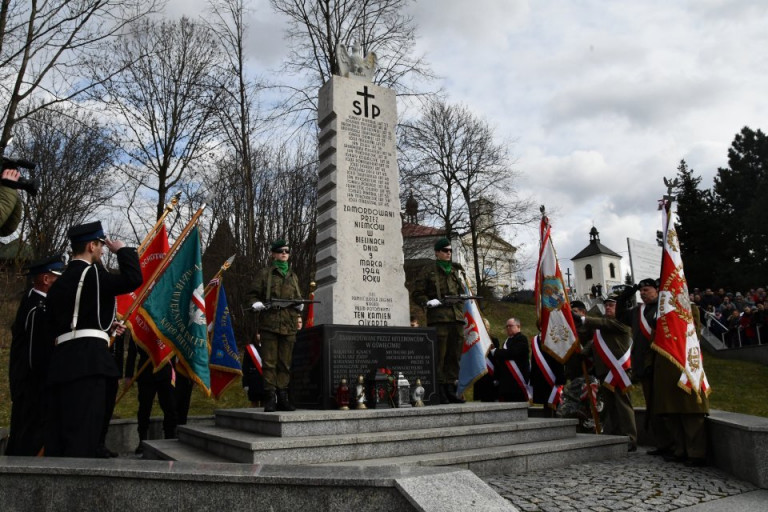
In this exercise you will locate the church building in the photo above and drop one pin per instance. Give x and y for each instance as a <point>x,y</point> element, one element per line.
<point>596,265</point>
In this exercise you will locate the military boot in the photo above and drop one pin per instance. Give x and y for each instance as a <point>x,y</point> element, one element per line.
<point>283,403</point>
<point>452,396</point>
<point>270,404</point>
<point>443,392</point>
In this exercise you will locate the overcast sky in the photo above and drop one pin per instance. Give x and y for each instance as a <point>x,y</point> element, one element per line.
<point>598,100</point>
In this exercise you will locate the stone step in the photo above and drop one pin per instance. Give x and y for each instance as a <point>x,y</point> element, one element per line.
<point>248,447</point>
<point>172,449</point>
<point>519,458</point>
<point>335,422</point>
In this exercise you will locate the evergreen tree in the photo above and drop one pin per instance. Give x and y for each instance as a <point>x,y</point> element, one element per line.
<point>700,231</point>
<point>739,195</point>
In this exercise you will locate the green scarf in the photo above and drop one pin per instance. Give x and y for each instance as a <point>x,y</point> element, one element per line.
<point>445,265</point>
<point>282,266</point>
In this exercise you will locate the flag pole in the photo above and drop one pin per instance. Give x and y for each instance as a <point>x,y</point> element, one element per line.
<point>133,379</point>
<point>224,266</point>
<point>152,232</point>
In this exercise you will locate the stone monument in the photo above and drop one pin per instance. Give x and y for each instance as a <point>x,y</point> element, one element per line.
<point>360,277</point>
<point>363,319</point>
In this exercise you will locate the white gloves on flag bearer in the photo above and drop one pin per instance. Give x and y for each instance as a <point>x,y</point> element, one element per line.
<point>258,306</point>
<point>299,307</point>
<point>433,303</point>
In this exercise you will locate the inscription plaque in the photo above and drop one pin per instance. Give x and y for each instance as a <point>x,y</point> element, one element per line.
<point>325,354</point>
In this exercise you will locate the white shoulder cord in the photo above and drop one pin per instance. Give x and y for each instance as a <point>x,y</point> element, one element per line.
<point>76,312</point>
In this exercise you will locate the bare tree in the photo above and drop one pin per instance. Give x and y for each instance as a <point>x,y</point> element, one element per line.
<point>317,27</point>
<point>455,168</point>
<point>167,97</point>
<point>74,154</point>
<point>44,47</point>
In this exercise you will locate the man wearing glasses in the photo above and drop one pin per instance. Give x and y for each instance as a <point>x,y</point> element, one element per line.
<point>82,311</point>
<point>438,281</point>
<point>271,294</point>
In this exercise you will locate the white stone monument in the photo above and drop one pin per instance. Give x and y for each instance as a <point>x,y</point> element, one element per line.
<point>360,277</point>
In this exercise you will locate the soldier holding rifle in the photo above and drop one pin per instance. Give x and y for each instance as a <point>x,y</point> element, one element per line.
<point>440,288</point>
<point>275,295</point>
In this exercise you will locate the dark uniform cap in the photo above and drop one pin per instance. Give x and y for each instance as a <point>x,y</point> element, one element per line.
<point>442,243</point>
<point>54,265</point>
<point>648,282</point>
<point>86,232</point>
<point>578,304</point>
<point>278,244</point>
<point>611,298</point>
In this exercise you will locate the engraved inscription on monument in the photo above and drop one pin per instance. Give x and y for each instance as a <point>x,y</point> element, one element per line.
<point>360,273</point>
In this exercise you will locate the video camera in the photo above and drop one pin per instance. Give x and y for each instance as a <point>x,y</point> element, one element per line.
<point>30,186</point>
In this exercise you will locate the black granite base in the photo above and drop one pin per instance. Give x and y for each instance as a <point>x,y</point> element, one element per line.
<point>325,354</point>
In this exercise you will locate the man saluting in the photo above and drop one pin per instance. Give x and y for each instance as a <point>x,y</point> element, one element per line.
<point>82,308</point>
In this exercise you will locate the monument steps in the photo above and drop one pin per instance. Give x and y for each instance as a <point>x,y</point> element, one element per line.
<point>337,422</point>
<point>492,437</point>
<point>518,458</point>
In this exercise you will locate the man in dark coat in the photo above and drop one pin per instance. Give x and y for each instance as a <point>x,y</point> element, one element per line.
<point>433,289</point>
<point>277,324</point>
<point>10,204</point>
<point>642,319</point>
<point>82,308</point>
<point>547,375</point>
<point>513,365</point>
<point>31,348</point>
<point>611,348</point>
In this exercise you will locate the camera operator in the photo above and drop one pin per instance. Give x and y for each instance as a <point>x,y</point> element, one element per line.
<point>10,204</point>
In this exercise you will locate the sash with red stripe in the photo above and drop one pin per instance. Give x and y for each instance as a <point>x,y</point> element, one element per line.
<point>489,366</point>
<point>617,375</point>
<point>518,375</point>
<point>255,356</point>
<point>555,396</point>
<point>645,327</point>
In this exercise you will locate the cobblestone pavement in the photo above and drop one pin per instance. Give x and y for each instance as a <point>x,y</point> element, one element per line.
<point>638,483</point>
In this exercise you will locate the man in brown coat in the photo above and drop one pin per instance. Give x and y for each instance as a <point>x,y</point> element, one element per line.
<point>611,345</point>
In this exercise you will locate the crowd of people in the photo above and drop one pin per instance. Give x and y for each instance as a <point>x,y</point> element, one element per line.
<point>738,319</point>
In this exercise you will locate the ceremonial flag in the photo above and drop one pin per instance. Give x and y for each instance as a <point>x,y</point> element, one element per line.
<point>150,258</point>
<point>477,343</point>
<point>175,309</point>
<point>558,332</point>
<point>225,361</point>
<point>676,337</point>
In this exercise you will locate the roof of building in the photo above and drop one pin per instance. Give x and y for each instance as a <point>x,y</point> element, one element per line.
<point>414,230</point>
<point>595,247</point>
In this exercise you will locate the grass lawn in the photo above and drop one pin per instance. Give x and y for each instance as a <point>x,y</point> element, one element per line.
<point>737,386</point>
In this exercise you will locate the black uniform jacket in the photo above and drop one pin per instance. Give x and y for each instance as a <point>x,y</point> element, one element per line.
<point>85,356</point>
<point>514,349</point>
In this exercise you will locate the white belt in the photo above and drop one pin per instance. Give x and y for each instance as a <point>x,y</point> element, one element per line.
<point>83,333</point>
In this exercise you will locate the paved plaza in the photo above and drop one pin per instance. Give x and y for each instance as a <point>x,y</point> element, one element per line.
<point>638,483</point>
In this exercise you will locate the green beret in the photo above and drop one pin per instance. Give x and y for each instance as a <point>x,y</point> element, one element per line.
<point>278,244</point>
<point>443,242</point>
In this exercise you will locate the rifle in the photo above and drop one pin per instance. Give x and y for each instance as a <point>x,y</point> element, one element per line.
<point>453,299</point>
<point>30,186</point>
<point>287,303</point>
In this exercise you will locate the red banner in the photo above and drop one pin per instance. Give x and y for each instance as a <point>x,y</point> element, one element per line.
<point>150,259</point>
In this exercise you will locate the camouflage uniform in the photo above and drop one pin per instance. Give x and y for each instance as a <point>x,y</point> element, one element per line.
<point>277,327</point>
<point>448,319</point>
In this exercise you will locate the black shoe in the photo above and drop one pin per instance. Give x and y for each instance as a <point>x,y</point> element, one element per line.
<point>659,452</point>
<point>696,462</point>
<point>632,448</point>
<point>443,394</point>
<point>283,403</point>
<point>271,403</point>
<point>139,449</point>
<point>102,452</point>
<point>452,396</point>
<point>675,458</point>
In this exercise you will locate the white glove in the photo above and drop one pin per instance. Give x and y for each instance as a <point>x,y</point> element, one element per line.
<point>258,306</point>
<point>299,307</point>
<point>434,303</point>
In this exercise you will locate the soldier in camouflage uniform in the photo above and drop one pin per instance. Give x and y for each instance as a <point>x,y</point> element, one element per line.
<point>277,324</point>
<point>437,281</point>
